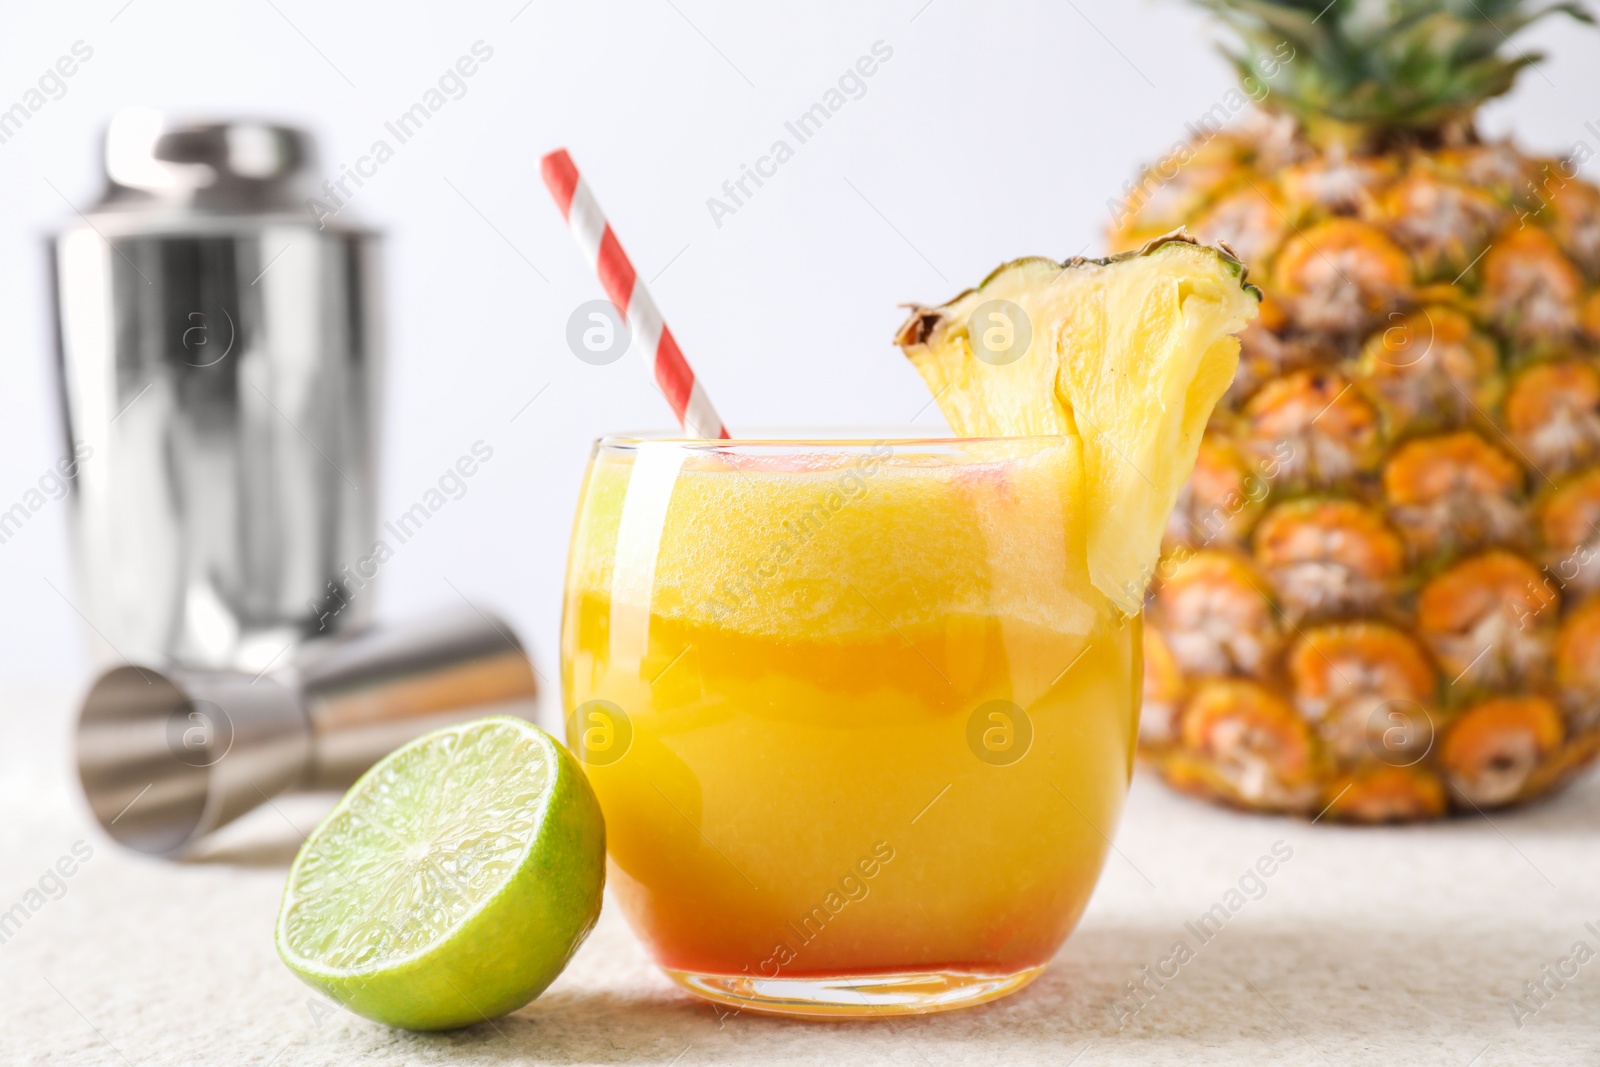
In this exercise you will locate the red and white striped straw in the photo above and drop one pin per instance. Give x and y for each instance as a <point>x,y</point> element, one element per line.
<point>627,291</point>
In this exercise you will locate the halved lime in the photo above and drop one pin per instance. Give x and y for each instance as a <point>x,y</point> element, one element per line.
<point>452,883</point>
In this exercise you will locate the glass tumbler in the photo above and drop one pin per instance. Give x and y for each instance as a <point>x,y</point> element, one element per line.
<point>859,723</point>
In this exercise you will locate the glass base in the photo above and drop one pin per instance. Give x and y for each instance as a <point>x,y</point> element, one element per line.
<point>854,996</point>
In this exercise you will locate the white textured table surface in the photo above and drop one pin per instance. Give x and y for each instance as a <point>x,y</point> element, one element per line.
<point>1387,947</point>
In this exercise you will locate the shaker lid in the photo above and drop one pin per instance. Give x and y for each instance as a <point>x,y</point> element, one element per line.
<point>224,164</point>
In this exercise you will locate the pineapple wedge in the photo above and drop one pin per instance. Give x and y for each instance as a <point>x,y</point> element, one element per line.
<point>1128,354</point>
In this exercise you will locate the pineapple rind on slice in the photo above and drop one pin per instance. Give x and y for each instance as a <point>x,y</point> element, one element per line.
<point>1129,354</point>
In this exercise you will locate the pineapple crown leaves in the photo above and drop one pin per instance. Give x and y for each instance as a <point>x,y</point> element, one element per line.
<point>1382,65</point>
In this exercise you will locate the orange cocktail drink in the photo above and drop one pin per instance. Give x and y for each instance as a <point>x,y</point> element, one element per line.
<point>859,722</point>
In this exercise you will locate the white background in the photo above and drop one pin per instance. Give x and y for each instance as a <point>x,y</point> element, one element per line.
<point>995,130</point>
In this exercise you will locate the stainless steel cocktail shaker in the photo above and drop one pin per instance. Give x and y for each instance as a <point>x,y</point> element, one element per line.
<point>219,360</point>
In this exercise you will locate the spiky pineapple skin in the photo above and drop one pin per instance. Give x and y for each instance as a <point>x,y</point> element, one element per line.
<point>1413,440</point>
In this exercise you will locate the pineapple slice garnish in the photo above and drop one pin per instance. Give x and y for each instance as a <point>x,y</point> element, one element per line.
<point>1127,354</point>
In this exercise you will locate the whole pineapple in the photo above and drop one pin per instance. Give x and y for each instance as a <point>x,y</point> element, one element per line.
<point>1378,595</point>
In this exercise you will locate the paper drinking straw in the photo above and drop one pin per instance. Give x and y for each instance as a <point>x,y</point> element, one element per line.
<point>627,291</point>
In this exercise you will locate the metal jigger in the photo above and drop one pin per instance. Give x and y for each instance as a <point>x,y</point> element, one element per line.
<point>167,755</point>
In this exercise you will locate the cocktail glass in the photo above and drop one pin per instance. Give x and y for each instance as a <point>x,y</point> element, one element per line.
<point>860,725</point>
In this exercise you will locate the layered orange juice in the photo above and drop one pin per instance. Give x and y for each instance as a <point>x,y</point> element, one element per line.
<point>860,724</point>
